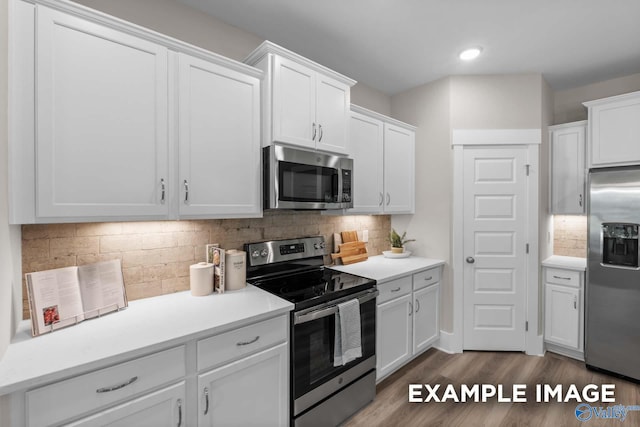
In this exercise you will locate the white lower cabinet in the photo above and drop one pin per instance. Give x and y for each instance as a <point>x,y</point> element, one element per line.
<point>394,341</point>
<point>163,408</point>
<point>236,378</point>
<point>249,392</point>
<point>564,312</point>
<point>407,319</point>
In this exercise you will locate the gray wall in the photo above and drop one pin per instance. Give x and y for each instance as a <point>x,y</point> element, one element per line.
<point>568,103</point>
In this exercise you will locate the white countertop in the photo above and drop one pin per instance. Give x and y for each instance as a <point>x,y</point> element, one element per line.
<point>384,269</point>
<point>147,325</point>
<point>566,262</point>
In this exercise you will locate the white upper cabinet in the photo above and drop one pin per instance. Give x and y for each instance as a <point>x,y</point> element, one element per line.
<point>304,103</point>
<point>119,123</point>
<point>614,130</point>
<point>219,140</point>
<point>568,168</point>
<point>399,165</point>
<point>101,120</point>
<point>380,143</point>
<point>367,149</point>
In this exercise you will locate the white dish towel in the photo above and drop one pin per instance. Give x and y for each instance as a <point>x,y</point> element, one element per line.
<point>348,339</point>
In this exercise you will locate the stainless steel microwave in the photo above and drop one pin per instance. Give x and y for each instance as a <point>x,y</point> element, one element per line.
<point>301,179</point>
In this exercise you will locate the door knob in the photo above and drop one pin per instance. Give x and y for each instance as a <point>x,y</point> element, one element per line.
<point>470,260</point>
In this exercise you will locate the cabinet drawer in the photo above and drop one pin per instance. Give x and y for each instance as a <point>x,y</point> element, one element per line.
<point>563,277</point>
<point>85,393</point>
<point>394,289</point>
<point>426,278</point>
<point>235,344</point>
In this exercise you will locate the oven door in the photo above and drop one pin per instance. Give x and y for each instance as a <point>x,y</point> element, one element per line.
<point>314,375</point>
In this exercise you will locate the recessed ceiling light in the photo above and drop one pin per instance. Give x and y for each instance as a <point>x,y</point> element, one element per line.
<point>471,53</point>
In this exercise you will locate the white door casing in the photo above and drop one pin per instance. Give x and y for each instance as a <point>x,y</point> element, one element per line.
<point>494,247</point>
<point>496,139</point>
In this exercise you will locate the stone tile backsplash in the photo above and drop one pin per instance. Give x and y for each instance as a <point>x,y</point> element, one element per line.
<point>570,235</point>
<point>156,255</point>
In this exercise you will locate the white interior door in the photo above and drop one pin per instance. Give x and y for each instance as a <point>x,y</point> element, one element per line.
<point>495,218</point>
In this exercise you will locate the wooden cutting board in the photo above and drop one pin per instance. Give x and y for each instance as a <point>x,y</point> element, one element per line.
<point>349,236</point>
<point>351,252</point>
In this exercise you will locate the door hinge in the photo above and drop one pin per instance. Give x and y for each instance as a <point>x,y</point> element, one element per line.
<point>527,169</point>
<point>527,247</point>
<point>526,326</point>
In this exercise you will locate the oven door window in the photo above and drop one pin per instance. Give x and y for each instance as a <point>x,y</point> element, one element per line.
<point>313,345</point>
<point>307,183</point>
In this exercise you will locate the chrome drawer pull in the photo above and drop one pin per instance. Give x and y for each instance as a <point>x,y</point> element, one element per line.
<point>248,342</point>
<point>117,387</point>
<point>396,289</point>
<point>563,278</point>
<point>428,278</point>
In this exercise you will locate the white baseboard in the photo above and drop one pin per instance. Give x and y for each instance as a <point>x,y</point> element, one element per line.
<point>446,343</point>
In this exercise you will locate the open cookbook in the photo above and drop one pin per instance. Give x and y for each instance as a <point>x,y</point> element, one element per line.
<point>66,296</point>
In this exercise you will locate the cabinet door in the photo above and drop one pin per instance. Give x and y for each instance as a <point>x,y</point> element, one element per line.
<point>426,317</point>
<point>294,103</point>
<point>332,115</point>
<point>568,170</point>
<point>615,131</point>
<point>399,164</point>
<point>219,145</point>
<point>562,315</point>
<point>367,151</point>
<point>253,391</point>
<point>101,121</point>
<point>164,407</point>
<point>393,334</point>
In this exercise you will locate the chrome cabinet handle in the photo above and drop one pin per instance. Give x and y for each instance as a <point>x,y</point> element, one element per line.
<point>417,305</point>
<point>163,190</point>
<point>428,278</point>
<point>575,302</point>
<point>381,199</point>
<point>186,191</point>
<point>321,133</point>
<point>313,137</point>
<point>396,289</point>
<point>471,259</point>
<point>580,200</point>
<point>179,412</point>
<point>117,387</point>
<point>410,309</point>
<point>206,400</point>
<point>388,199</point>
<point>562,278</point>
<point>248,342</point>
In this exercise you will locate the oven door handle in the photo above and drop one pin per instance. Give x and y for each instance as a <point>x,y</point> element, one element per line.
<point>308,316</point>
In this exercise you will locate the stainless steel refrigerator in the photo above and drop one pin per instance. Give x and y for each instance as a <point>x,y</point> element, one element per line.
<point>612,330</point>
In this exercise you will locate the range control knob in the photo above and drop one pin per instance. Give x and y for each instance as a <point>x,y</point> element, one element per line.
<point>255,254</point>
<point>264,253</point>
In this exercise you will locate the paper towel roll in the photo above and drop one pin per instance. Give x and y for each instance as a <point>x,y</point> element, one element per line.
<point>235,270</point>
<point>201,279</point>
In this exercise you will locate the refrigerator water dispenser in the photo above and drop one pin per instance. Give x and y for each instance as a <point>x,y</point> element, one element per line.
<point>620,244</point>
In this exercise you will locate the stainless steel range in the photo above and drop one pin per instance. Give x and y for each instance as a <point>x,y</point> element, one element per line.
<point>324,389</point>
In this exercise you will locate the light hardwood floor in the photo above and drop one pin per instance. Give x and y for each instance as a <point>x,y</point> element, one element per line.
<point>391,406</point>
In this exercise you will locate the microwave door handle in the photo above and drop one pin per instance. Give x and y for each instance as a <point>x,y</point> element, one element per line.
<point>304,317</point>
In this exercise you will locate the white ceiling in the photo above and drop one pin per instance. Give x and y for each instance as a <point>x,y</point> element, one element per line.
<point>394,45</point>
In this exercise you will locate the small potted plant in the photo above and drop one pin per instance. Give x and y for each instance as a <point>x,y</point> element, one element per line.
<point>397,241</point>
